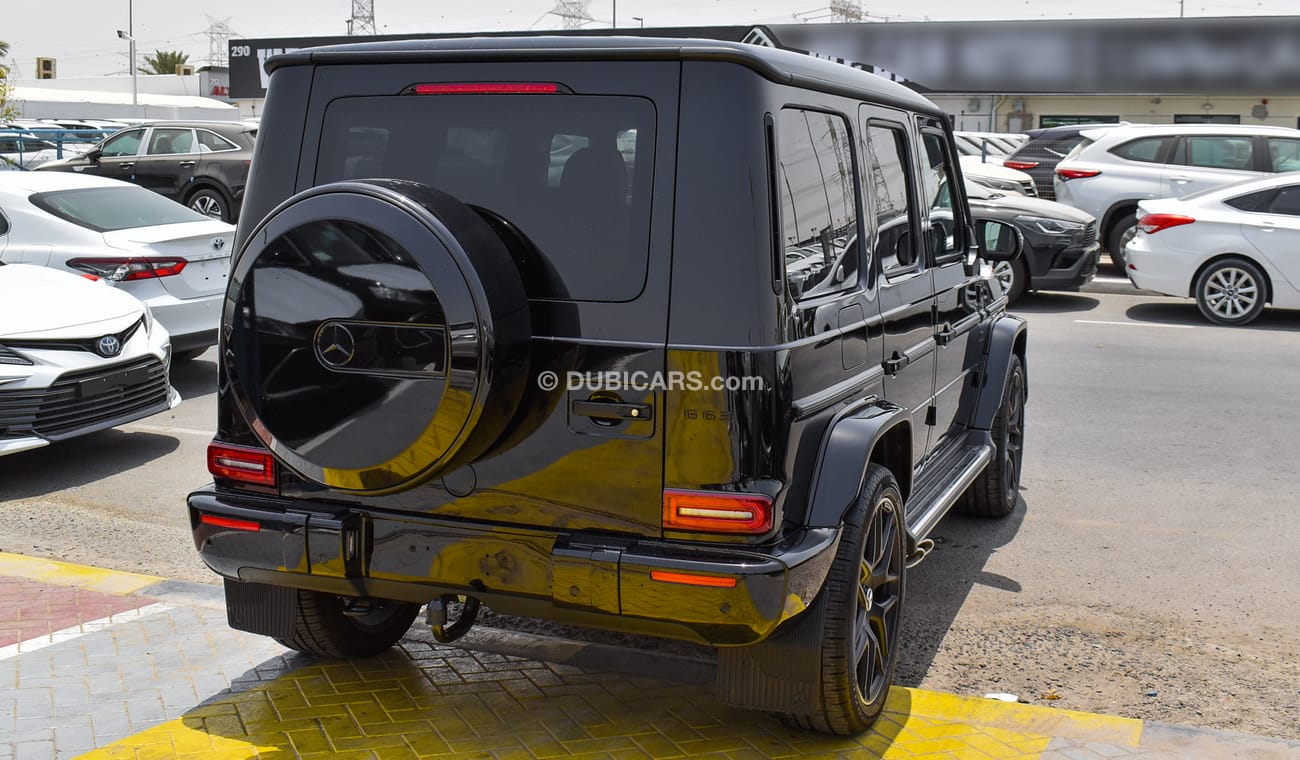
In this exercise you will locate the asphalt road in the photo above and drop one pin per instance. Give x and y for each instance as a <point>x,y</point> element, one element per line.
<point>1152,570</point>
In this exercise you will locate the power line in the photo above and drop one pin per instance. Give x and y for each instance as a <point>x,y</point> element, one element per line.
<point>219,34</point>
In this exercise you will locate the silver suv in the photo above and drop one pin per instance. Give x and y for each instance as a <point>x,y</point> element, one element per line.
<point>1115,167</point>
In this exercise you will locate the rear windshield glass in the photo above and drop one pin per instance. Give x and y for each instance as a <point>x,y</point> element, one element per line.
<point>105,209</point>
<point>571,172</point>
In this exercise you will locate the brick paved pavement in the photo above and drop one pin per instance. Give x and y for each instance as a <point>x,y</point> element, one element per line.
<point>168,679</point>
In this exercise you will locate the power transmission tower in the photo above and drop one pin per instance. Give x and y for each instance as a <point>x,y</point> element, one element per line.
<point>573,13</point>
<point>363,17</point>
<point>845,11</point>
<point>219,34</point>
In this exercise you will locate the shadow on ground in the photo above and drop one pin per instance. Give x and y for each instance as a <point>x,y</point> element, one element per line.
<point>1186,313</point>
<point>79,461</point>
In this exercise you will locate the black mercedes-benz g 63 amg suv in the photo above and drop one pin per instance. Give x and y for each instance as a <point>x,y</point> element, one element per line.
<point>677,337</point>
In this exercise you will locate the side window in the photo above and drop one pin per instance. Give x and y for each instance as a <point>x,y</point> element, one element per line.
<point>947,226</point>
<point>819,220</point>
<point>1257,202</point>
<point>884,153</point>
<point>212,142</point>
<point>4,225</point>
<point>1218,151</point>
<point>125,144</point>
<point>1287,201</point>
<point>1146,149</point>
<point>169,142</point>
<point>1284,153</point>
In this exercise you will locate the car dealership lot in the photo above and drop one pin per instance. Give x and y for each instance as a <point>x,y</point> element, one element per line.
<point>1154,551</point>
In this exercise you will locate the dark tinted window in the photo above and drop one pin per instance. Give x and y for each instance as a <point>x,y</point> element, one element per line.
<point>1064,121</point>
<point>1218,151</point>
<point>4,224</point>
<point>947,227</point>
<point>1146,149</point>
<point>1201,118</point>
<point>885,156</point>
<point>571,173</point>
<point>1249,202</point>
<point>104,209</point>
<point>819,219</point>
<point>1286,201</point>
<point>211,141</point>
<point>1284,154</point>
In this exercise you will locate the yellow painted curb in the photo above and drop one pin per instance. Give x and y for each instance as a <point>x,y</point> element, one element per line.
<point>67,574</point>
<point>1025,719</point>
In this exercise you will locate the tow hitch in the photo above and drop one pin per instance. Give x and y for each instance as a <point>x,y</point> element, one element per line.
<point>439,611</point>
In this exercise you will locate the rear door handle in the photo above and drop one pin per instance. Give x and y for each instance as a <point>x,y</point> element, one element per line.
<point>895,362</point>
<point>612,410</point>
<point>126,166</point>
<point>945,336</point>
<point>186,164</point>
<point>1180,178</point>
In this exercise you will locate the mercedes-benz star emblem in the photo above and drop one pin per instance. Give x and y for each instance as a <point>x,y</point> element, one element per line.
<point>335,345</point>
<point>108,345</point>
<point>218,243</point>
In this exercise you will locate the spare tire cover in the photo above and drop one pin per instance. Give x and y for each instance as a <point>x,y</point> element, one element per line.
<point>375,334</point>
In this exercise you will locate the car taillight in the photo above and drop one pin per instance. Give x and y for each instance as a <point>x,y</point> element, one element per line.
<point>487,88</point>
<point>1069,174</point>
<point>1021,165</point>
<point>127,269</point>
<point>241,463</point>
<point>713,512</point>
<point>1153,223</point>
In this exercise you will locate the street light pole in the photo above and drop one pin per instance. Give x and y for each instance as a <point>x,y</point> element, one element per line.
<point>135,93</point>
<point>639,20</point>
<point>614,13</point>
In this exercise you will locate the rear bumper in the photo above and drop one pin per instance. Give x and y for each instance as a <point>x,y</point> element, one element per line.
<point>595,581</point>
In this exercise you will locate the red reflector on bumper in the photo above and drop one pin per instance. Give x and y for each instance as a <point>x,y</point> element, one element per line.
<point>230,522</point>
<point>690,579</point>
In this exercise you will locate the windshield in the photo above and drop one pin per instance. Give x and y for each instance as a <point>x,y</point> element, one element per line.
<point>105,209</point>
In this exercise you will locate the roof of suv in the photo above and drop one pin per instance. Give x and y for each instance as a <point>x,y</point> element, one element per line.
<point>1160,130</point>
<point>779,66</point>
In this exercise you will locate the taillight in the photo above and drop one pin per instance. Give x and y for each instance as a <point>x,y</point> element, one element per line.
<point>1153,223</point>
<point>487,88</point>
<point>1069,174</point>
<point>230,522</point>
<point>713,512</point>
<point>127,269</point>
<point>242,464</point>
<point>1021,165</point>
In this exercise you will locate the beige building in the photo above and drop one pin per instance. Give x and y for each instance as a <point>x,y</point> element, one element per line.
<point>1017,113</point>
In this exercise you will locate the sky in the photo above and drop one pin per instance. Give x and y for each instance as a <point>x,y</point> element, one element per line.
<point>81,34</point>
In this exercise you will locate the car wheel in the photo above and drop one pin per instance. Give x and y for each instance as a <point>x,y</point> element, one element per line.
<point>1231,292</point>
<point>996,491</point>
<point>211,203</point>
<point>1012,277</point>
<point>1121,234</point>
<point>325,627</point>
<point>863,605</point>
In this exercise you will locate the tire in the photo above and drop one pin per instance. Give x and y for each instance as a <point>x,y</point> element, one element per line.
<point>399,356</point>
<point>210,202</point>
<point>1120,234</point>
<point>1231,292</point>
<point>863,605</point>
<point>1013,277</point>
<point>997,490</point>
<point>321,628</point>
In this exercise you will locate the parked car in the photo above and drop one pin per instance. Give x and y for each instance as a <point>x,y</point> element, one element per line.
<point>993,147</point>
<point>1112,169</point>
<point>75,357</point>
<point>26,151</point>
<point>1039,155</point>
<point>1060,242</point>
<point>1233,248</point>
<point>203,164</point>
<point>997,177</point>
<point>168,256</point>
<point>401,425</point>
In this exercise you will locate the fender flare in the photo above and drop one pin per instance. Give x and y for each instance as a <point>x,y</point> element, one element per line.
<point>842,462</point>
<point>1007,336</point>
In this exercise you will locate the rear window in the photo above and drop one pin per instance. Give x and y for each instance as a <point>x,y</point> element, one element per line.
<point>105,209</point>
<point>572,173</point>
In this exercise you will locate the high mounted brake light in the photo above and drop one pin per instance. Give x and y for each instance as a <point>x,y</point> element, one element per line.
<point>487,88</point>
<point>242,464</point>
<point>713,512</point>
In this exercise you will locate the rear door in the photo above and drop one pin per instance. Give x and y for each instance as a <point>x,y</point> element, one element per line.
<point>1274,231</point>
<point>1203,162</point>
<point>572,164</point>
<point>168,161</point>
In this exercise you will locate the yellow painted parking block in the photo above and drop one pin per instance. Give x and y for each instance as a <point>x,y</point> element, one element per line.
<point>67,574</point>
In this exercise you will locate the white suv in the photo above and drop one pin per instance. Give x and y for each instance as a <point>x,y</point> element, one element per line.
<point>1115,167</point>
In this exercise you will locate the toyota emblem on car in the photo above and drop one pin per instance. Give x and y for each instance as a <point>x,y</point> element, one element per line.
<point>108,345</point>
<point>218,243</point>
<point>335,345</point>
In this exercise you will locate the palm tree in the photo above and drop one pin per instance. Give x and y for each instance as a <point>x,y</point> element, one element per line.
<point>4,49</point>
<point>163,62</point>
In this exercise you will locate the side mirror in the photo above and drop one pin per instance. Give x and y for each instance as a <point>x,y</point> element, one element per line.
<point>93,155</point>
<point>997,241</point>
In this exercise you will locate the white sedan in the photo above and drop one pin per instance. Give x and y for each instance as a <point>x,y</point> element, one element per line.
<point>75,356</point>
<point>1233,248</point>
<point>174,259</point>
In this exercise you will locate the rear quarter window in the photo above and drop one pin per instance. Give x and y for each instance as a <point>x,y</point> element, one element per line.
<point>1146,149</point>
<point>572,173</point>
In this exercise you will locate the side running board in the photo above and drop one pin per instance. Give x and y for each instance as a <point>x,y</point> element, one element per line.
<point>935,495</point>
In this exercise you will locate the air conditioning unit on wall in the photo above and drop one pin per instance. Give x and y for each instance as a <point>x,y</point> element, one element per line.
<point>46,68</point>
<point>184,69</point>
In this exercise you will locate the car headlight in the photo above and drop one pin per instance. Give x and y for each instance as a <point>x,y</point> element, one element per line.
<point>1050,226</point>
